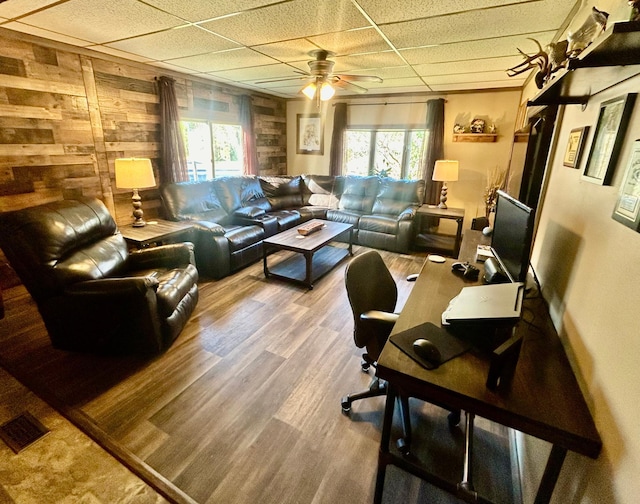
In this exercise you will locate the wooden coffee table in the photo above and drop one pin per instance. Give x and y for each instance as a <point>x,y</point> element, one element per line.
<point>313,255</point>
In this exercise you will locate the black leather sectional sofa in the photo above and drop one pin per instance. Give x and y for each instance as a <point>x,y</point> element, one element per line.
<point>232,215</point>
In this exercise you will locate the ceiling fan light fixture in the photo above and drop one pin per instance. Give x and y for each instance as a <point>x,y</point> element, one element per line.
<point>309,90</point>
<point>326,91</point>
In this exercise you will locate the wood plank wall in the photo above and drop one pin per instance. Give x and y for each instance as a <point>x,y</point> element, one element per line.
<point>65,117</point>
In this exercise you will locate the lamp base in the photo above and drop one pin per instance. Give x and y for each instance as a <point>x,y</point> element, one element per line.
<point>136,201</point>
<point>443,196</point>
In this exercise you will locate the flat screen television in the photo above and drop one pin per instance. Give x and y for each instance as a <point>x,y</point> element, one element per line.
<point>512,236</point>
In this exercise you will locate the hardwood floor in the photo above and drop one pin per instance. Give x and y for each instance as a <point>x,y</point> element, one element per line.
<point>245,406</point>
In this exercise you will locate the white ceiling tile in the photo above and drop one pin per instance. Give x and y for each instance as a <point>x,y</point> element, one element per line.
<point>360,40</point>
<point>289,50</point>
<point>477,77</point>
<point>288,20</point>
<point>48,34</point>
<point>203,10</point>
<point>119,54</point>
<point>475,86</point>
<point>469,66</point>
<point>175,43</point>
<point>18,8</point>
<point>225,60</point>
<point>487,48</point>
<point>477,25</point>
<point>403,10</point>
<point>279,70</point>
<point>456,45</point>
<point>102,21</point>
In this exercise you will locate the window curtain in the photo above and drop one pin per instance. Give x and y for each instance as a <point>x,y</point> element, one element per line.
<point>248,137</point>
<point>337,139</point>
<point>433,149</point>
<point>174,158</point>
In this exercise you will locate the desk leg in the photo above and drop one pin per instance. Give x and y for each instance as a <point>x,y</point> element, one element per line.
<point>551,473</point>
<point>383,455</point>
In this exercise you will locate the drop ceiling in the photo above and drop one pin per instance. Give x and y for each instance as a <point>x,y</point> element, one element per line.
<point>416,46</point>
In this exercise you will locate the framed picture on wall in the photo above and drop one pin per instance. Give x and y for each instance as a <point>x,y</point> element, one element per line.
<point>309,134</point>
<point>574,146</point>
<point>607,141</point>
<point>627,210</point>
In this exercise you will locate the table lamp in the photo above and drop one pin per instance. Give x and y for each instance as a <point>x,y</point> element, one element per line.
<point>135,173</point>
<point>445,170</point>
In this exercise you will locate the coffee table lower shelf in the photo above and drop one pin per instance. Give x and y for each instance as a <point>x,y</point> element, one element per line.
<point>305,268</point>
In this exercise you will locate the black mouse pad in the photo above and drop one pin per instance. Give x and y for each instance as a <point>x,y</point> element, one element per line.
<point>449,345</point>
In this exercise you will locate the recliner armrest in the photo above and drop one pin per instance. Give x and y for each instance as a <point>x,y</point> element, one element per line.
<point>380,317</point>
<point>117,288</point>
<point>173,255</point>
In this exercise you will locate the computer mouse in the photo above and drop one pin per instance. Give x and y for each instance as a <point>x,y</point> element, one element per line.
<point>427,350</point>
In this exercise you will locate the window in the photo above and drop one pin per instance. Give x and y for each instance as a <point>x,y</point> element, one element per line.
<point>389,153</point>
<point>213,150</point>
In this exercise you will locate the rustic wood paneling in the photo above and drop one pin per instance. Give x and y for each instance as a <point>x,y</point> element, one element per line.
<point>65,117</point>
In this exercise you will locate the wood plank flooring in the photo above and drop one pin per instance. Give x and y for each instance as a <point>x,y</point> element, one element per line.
<point>245,406</point>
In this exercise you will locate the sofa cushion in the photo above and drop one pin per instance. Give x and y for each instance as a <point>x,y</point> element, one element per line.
<point>344,216</point>
<point>286,218</point>
<point>359,193</point>
<point>282,192</point>
<point>322,190</point>
<point>379,224</point>
<point>394,196</point>
<point>237,192</point>
<point>192,201</point>
<point>244,236</point>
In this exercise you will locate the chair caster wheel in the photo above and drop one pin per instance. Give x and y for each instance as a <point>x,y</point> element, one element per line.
<point>403,446</point>
<point>364,365</point>
<point>453,419</point>
<point>346,405</point>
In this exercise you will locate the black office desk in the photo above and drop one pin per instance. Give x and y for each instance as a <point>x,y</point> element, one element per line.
<point>543,399</point>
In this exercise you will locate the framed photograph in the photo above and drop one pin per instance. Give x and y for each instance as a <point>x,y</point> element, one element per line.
<point>627,210</point>
<point>574,146</point>
<point>607,141</point>
<point>309,134</point>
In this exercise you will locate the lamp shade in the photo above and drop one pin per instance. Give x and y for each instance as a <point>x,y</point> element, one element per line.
<point>445,170</point>
<point>134,173</point>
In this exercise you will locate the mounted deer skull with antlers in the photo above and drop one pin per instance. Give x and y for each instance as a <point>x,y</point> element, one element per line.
<point>540,60</point>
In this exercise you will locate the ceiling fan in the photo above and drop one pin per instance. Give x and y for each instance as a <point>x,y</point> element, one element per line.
<point>323,81</point>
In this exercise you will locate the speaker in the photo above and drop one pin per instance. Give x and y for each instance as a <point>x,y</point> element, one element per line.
<point>493,272</point>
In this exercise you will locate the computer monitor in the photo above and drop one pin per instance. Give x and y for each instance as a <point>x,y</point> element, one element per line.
<point>512,236</point>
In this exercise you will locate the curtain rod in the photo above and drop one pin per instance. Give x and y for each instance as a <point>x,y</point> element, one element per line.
<point>382,103</point>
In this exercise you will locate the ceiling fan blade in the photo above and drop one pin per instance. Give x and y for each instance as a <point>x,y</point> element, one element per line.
<point>283,79</point>
<point>361,78</point>
<point>338,82</point>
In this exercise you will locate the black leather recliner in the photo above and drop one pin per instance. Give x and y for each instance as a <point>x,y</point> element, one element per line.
<point>93,294</point>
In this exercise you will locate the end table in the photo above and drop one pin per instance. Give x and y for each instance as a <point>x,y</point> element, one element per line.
<point>156,232</point>
<point>449,244</point>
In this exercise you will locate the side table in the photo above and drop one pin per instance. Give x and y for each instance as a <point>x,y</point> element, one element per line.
<point>156,232</point>
<point>449,244</point>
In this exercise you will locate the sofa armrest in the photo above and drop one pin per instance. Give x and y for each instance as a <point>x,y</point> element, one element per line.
<point>174,255</point>
<point>408,213</point>
<point>249,212</point>
<point>210,228</point>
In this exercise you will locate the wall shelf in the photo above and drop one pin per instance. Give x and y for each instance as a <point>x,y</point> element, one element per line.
<point>475,137</point>
<point>611,58</point>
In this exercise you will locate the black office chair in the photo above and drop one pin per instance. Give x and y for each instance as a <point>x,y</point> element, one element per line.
<point>373,294</point>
